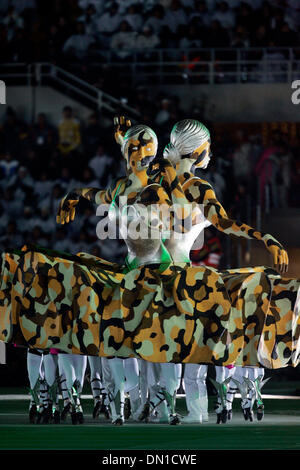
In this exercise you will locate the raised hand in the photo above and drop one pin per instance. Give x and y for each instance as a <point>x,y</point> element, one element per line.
<point>121,126</point>
<point>279,254</point>
<point>159,165</point>
<point>66,209</point>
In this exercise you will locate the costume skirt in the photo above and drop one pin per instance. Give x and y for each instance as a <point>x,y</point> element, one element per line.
<point>174,313</point>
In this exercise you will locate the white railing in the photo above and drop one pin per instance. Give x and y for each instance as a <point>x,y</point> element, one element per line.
<point>39,74</point>
<point>216,65</point>
<point>170,66</point>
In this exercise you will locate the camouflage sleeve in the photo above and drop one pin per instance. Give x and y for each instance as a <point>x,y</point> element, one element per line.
<point>99,196</point>
<point>202,192</point>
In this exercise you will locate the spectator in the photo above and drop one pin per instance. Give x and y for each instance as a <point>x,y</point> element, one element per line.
<point>89,18</point>
<point>225,16</point>
<point>101,164</point>
<point>134,18</point>
<point>201,14</point>
<point>13,22</point>
<point>41,130</point>
<point>69,132</point>
<point>110,21</point>
<point>8,167</point>
<point>240,37</point>
<point>147,39</point>
<point>78,44</point>
<point>163,114</point>
<point>175,16</point>
<point>123,40</point>
<point>157,19</point>
<point>192,38</point>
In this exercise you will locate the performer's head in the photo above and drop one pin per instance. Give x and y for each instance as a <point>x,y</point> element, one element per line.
<point>189,139</point>
<point>139,147</point>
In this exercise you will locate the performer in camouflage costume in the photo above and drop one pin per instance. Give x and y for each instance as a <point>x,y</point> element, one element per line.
<point>157,307</point>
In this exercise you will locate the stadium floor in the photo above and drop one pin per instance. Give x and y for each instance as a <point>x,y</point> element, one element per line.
<point>280,429</point>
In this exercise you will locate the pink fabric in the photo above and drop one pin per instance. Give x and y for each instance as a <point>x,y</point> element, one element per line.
<point>230,366</point>
<point>54,351</point>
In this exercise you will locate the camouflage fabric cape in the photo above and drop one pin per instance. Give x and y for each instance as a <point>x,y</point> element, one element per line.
<point>174,313</point>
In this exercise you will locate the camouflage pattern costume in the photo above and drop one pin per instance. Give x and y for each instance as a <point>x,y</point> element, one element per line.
<point>160,312</point>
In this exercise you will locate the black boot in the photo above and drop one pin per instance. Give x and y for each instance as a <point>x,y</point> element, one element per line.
<point>33,414</point>
<point>65,411</point>
<point>56,417</point>
<point>97,409</point>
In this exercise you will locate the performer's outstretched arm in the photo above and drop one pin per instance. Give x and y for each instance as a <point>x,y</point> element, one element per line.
<point>202,192</point>
<point>66,209</point>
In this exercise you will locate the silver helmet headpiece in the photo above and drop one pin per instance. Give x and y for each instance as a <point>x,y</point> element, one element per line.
<point>186,136</point>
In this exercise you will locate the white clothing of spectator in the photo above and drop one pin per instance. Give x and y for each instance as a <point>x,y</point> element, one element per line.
<point>225,16</point>
<point>8,167</point>
<point>125,39</point>
<point>13,21</point>
<point>242,161</point>
<point>43,187</point>
<point>46,222</point>
<point>175,16</point>
<point>157,19</point>
<point>202,14</point>
<point>110,21</point>
<point>79,43</point>
<point>156,24</point>
<point>148,4</point>
<point>147,39</point>
<point>101,163</point>
<point>134,19</point>
<point>89,18</point>
<point>163,114</point>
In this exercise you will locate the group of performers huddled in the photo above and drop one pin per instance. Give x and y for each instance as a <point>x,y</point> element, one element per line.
<point>157,308</point>
<point>135,390</point>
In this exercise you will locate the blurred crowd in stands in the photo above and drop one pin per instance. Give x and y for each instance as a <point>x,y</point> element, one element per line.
<point>40,163</point>
<point>37,30</point>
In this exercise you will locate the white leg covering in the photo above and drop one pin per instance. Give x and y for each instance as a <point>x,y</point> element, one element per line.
<point>132,385</point>
<point>143,379</point>
<point>34,369</point>
<point>117,398</point>
<point>196,392</point>
<point>96,385</point>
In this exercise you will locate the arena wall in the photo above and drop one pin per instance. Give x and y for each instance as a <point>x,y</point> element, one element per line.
<point>218,103</point>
